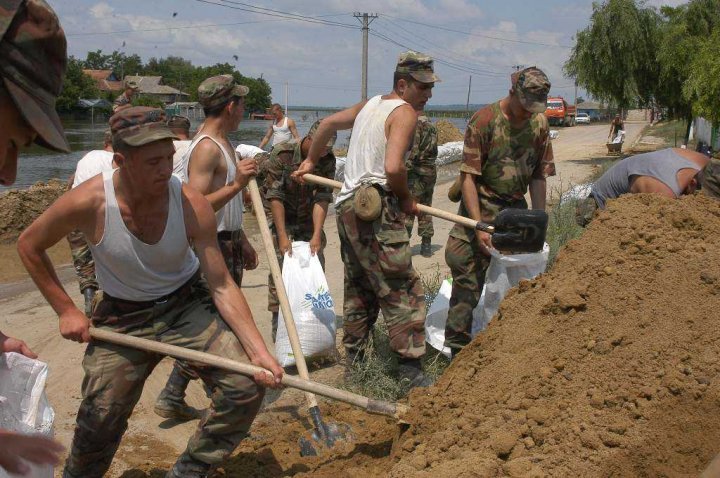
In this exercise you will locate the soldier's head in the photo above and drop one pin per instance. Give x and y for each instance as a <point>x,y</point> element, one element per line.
<point>277,111</point>
<point>33,60</point>
<point>528,92</point>
<point>180,126</point>
<point>307,140</point>
<point>414,78</point>
<point>131,88</point>
<point>223,98</point>
<point>143,147</point>
<point>107,141</point>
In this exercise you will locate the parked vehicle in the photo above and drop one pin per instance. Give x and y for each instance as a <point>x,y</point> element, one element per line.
<point>559,112</point>
<point>582,118</point>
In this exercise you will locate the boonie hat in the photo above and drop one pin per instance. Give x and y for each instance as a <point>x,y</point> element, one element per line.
<point>418,65</point>
<point>531,86</point>
<point>179,122</point>
<point>140,125</point>
<point>219,89</point>
<point>33,60</point>
<point>313,129</point>
<point>367,203</point>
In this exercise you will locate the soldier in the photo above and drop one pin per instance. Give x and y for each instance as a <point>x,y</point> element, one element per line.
<point>507,150</point>
<point>180,126</point>
<point>140,221</point>
<point>209,166</point>
<point>125,99</point>
<point>422,174</point>
<point>281,129</point>
<point>371,211</point>
<point>297,212</point>
<point>93,163</point>
<point>711,177</point>
<point>33,60</point>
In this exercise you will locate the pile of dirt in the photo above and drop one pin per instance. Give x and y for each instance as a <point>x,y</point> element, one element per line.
<point>448,132</point>
<point>20,207</point>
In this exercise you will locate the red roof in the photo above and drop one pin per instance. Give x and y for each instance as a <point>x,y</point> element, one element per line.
<point>104,80</point>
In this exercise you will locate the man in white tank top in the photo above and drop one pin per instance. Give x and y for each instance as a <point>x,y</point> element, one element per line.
<point>378,267</point>
<point>180,126</point>
<point>140,221</point>
<point>282,128</point>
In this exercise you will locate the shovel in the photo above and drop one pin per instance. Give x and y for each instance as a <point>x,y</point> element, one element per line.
<point>324,435</point>
<point>376,407</point>
<point>515,230</point>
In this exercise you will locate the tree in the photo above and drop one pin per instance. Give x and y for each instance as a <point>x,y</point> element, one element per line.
<point>702,87</point>
<point>613,58</point>
<point>77,85</point>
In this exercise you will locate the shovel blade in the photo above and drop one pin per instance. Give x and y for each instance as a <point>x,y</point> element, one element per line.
<point>520,230</point>
<point>317,442</point>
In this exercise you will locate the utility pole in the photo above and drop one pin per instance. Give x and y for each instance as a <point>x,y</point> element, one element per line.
<point>365,19</point>
<point>287,92</point>
<point>467,104</point>
<point>575,96</point>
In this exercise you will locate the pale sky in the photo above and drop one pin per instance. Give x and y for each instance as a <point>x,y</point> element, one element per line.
<point>322,62</point>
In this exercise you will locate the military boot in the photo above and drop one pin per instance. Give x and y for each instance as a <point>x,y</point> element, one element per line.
<point>89,294</point>
<point>410,371</point>
<point>426,247</point>
<point>187,467</point>
<point>171,401</point>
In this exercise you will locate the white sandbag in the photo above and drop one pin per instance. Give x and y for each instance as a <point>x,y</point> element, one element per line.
<point>504,273</point>
<point>24,407</point>
<point>437,317</point>
<point>311,304</point>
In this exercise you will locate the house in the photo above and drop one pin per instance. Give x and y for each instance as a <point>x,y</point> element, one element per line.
<point>152,87</point>
<point>105,80</point>
<point>596,111</point>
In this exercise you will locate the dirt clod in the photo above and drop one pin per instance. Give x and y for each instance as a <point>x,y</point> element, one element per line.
<point>20,207</point>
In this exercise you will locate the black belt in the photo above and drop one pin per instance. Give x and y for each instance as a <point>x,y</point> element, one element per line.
<point>229,235</point>
<point>180,291</point>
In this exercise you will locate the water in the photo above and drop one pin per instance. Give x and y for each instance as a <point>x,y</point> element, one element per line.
<point>38,164</point>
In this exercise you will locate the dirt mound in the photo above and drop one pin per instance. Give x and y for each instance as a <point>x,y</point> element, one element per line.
<point>448,132</point>
<point>20,207</point>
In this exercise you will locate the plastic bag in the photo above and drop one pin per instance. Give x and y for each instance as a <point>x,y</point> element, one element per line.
<point>437,317</point>
<point>24,407</point>
<point>311,304</point>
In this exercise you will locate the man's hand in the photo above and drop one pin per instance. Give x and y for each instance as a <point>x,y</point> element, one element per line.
<point>9,344</point>
<point>409,206</point>
<point>305,167</point>
<point>268,362</point>
<point>284,245</point>
<point>14,448</point>
<point>315,244</point>
<point>485,241</point>
<point>245,169</point>
<point>75,326</point>
<point>249,255</point>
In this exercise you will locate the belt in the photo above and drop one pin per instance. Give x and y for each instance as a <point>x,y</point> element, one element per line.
<point>229,235</point>
<point>180,291</point>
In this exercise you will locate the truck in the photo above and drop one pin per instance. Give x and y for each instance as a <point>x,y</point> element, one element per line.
<point>559,112</point>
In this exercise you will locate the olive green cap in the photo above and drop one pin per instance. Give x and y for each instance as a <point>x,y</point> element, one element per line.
<point>531,86</point>
<point>418,65</point>
<point>140,125</point>
<point>313,129</point>
<point>220,89</point>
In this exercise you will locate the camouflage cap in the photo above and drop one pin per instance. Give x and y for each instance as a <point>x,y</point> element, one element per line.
<point>315,126</point>
<point>418,65</point>
<point>132,84</point>
<point>33,60</point>
<point>140,125</point>
<point>219,89</point>
<point>531,86</point>
<point>179,122</point>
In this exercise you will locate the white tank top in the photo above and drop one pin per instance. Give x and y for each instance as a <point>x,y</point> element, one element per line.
<point>365,161</point>
<point>281,133</point>
<point>130,269</point>
<point>230,216</point>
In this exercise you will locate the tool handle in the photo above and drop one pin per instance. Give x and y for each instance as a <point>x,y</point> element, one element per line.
<point>380,407</point>
<point>279,286</point>
<point>435,212</point>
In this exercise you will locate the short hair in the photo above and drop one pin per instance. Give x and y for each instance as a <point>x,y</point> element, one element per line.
<point>277,105</point>
<point>120,146</point>
<point>397,76</point>
<point>215,111</point>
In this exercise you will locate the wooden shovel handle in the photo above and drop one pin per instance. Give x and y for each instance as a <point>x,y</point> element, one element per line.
<point>378,407</point>
<point>435,212</point>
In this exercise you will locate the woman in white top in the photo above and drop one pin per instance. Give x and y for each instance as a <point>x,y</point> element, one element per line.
<point>282,128</point>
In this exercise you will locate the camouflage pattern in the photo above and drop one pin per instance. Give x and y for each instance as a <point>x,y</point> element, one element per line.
<point>82,260</point>
<point>531,86</point>
<point>313,129</point>
<point>140,125</point>
<point>33,61</point>
<point>231,248</point>
<point>711,179</point>
<point>418,65</point>
<point>468,266</point>
<point>585,211</point>
<point>422,173</point>
<point>179,122</point>
<point>220,89</point>
<point>114,378</point>
<point>120,102</point>
<point>379,275</point>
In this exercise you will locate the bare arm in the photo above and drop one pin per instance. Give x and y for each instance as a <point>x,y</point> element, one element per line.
<point>293,129</point>
<point>9,344</point>
<point>646,184</point>
<point>267,137</point>
<point>400,129</point>
<point>231,303</point>
<point>204,161</point>
<point>278,215</point>
<point>538,191</point>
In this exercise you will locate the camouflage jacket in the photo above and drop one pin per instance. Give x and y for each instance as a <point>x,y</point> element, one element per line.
<point>711,179</point>
<point>503,161</point>
<point>423,156</point>
<point>298,199</point>
<point>121,100</point>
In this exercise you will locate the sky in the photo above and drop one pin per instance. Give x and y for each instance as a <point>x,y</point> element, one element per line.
<point>318,53</point>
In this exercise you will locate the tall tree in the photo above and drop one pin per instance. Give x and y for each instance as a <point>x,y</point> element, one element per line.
<point>702,87</point>
<point>77,85</point>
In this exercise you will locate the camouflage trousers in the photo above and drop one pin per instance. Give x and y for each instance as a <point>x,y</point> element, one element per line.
<point>711,179</point>
<point>114,378</point>
<point>82,260</point>
<point>422,186</point>
<point>585,211</point>
<point>379,276</point>
<point>468,267</point>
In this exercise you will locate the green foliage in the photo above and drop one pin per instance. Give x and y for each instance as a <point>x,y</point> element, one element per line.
<point>702,87</point>
<point>77,85</point>
<point>147,101</point>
